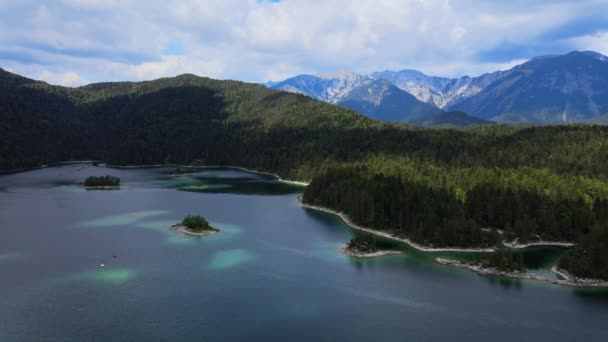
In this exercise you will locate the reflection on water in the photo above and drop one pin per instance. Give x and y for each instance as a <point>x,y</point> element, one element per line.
<point>504,282</point>
<point>593,294</point>
<point>217,180</point>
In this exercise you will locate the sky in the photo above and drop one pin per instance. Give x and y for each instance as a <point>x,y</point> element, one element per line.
<point>75,42</point>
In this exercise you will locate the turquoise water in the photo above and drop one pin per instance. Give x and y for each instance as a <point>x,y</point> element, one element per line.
<point>274,271</point>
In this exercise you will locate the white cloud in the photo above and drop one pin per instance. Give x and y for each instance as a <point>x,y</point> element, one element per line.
<point>169,66</point>
<point>97,4</point>
<point>597,42</point>
<point>258,41</point>
<point>67,79</point>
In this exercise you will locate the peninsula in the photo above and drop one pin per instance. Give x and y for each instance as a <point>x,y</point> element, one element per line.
<point>365,247</point>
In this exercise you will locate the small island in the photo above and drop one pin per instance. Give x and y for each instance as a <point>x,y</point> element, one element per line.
<point>102,182</point>
<point>364,247</point>
<point>195,225</point>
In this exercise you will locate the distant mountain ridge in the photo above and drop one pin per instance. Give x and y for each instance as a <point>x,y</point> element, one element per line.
<point>546,90</point>
<point>439,91</point>
<point>375,98</point>
<point>329,88</point>
<point>549,89</point>
<point>380,99</point>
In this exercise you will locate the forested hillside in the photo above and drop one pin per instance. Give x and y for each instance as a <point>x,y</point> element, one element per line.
<point>450,206</point>
<point>437,186</point>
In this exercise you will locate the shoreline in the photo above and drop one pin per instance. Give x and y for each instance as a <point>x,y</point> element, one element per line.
<point>540,243</point>
<point>278,178</point>
<point>103,187</point>
<point>577,281</point>
<point>182,229</point>
<point>261,173</point>
<point>568,280</point>
<point>38,167</point>
<point>346,252</point>
<point>410,243</point>
<point>423,248</point>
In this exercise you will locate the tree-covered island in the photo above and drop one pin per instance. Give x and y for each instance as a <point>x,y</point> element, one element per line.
<point>365,246</point>
<point>195,224</point>
<point>361,245</point>
<point>102,181</point>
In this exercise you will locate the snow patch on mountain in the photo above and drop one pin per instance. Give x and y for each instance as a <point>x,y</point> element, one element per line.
<point>375,92</point>
<point>439,91</point>
<point>330,88</point>
<point>345,75</point>
<point>424,93</point>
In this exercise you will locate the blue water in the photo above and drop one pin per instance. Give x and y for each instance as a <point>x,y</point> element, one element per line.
<point>274,272</point>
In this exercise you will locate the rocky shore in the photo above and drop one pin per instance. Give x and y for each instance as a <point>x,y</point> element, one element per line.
<point>566,279</point>
<point>358,254</point>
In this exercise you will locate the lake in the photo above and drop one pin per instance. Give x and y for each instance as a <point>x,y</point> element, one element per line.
<point>274,272</point>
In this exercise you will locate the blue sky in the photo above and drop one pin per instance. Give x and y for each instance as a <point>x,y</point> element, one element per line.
<point>74,42</point>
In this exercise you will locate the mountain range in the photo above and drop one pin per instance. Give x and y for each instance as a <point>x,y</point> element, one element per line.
<point>377,98</point>
<point>545,90</point>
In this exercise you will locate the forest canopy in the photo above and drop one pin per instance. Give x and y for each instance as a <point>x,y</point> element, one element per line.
<point>197,223</point>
